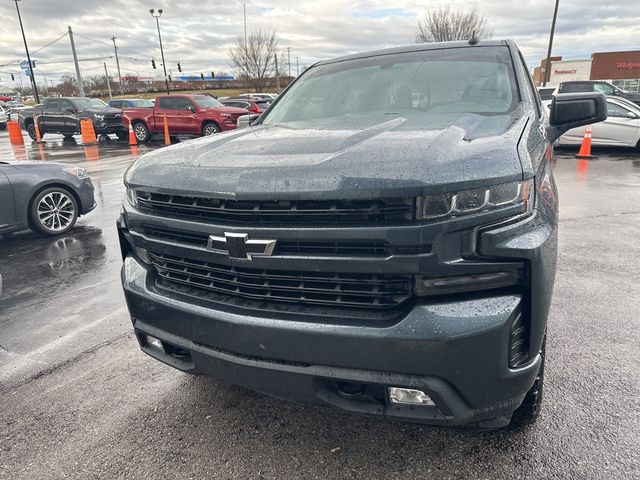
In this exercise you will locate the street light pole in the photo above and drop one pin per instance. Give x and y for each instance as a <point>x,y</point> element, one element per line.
<point>32,76</point>
<point>547,67</point>
<point>164,65</point>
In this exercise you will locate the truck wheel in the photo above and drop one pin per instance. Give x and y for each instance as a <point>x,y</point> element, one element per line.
<point>529,410</point>
<point>209,129</point>
<point>53,211</point>
<point>31,130</point>
<point>3,126</point>
<point>141,132</point>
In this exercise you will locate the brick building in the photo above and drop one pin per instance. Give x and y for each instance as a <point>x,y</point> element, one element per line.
<point>620,68</point>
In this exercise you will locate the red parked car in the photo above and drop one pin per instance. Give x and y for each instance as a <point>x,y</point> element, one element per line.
<point>194,115</point>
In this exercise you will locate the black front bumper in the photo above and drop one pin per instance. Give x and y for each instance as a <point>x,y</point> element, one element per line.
<point>456,352</point>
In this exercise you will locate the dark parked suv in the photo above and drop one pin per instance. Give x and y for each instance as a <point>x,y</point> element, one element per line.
<point>356,249</point>
<point>598,86</point>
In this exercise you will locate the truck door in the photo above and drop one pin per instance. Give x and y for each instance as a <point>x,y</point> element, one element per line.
<point>188,122</point>
<point>7,207</point>
<point>166,107</point>
<point>70,117</point>
<point>52,118</point>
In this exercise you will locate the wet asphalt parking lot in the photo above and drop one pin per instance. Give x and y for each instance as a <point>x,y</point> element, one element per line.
<point>78,399</point>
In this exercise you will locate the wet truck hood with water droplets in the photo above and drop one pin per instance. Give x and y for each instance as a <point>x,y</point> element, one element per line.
<point>269,162</point>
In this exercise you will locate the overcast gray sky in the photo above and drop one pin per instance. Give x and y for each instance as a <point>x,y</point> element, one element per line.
<point>198,33</point>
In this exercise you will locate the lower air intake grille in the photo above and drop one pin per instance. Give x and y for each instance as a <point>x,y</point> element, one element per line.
<point>519,342</point>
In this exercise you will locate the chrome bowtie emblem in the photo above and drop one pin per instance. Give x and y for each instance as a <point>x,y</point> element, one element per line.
<point>239,247</point>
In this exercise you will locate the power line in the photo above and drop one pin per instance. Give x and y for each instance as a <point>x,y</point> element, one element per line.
<point>50,43</point>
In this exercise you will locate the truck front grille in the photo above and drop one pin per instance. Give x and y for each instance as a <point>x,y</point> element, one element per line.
<point>347,290</point>
<point>294,247</point>
<point>280,212</point>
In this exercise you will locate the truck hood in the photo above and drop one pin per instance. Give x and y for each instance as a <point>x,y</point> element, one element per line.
<point>272,161</point>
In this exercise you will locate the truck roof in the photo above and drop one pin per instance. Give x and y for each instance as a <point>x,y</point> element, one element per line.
<point>420,47</point>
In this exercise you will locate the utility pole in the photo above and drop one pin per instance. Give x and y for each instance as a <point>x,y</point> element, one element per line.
<point>275,57</point>
<point>164,65</point>
<point>547,66</point>
<point>75,60</point>
<point>246,48</point>
<point>289,61</point>
<point>115,48</point>
<point>106,74</point>
<point>26,47</point>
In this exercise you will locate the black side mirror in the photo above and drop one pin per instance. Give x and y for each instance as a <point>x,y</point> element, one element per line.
<point>571,110</point>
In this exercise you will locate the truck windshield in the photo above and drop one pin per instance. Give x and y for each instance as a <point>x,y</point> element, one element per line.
<point>205,101</point>
<point>88,103</point>
<point>427,89</point>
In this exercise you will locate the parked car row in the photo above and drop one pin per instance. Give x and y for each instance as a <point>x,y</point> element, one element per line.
<point>190,115</point>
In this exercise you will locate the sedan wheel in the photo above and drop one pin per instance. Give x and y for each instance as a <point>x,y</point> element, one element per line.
<point>54,211</point>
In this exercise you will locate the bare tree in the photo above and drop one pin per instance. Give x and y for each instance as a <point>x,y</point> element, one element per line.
<point>97,84</point>
<point>255,60</point>
<point>67,86</point>
<point>443,25</point>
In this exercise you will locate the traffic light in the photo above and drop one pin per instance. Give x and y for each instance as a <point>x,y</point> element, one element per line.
<point>202,76</point>
<point>179,67</point>
<point>153,63</point>
<point>33,64</point>
<point>13,77</point>
<point>213,75</point>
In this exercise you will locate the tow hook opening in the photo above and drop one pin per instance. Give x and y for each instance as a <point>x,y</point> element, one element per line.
<point>164,347</point>
<point>349,389</point>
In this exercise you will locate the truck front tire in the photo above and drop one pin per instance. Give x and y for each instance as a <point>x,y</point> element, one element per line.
<point>529,410</point>
<point>141,131</point>
<point>210,128</point>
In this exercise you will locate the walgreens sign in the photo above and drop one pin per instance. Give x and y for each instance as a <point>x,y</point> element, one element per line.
<point>627,65</point>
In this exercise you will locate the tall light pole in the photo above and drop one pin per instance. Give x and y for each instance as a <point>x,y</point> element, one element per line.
<point>26,47</point>
<point>547,66</point>
<point>164,65</point>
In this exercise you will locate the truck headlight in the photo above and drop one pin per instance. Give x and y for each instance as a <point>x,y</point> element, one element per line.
<point>132,196</point>
<point>476,200</point>
<point>98,117</point>
<point>79,173</point>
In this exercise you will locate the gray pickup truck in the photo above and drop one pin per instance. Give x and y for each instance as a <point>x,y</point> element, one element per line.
<point>63,114</point>
<point>360,249</point>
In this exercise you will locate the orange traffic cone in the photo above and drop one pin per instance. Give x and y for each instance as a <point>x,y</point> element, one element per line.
<point>132,136</point>
<point>87,131</point>
<point>167,138</point>
<point>15,134</point>
<point>585,148</point>
<point>37,127</point>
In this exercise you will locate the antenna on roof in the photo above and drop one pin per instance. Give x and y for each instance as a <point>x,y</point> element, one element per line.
<point>473,40</point>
